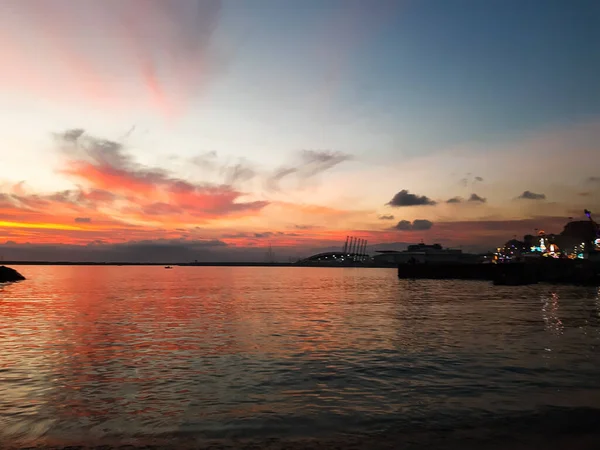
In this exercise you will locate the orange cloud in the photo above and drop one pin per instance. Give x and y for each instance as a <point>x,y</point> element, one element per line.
<point>116,199</point>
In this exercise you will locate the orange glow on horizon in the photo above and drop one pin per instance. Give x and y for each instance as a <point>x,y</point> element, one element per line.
<point>41,226</point>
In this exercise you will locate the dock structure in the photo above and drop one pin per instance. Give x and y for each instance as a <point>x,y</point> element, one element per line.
<point>545,270</point>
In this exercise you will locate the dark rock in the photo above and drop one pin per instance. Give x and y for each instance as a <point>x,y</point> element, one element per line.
<point>7,274</point>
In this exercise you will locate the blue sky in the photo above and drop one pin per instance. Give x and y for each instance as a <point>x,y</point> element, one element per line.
<point>416,95</point>
<point>471,68</point>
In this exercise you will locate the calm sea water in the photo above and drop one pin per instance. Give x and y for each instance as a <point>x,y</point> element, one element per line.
<point>94,353</point>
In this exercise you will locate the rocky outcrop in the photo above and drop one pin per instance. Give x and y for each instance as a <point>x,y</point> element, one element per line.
<point>7,274</point>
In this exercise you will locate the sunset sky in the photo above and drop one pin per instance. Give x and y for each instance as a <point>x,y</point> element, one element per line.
<point>146,129</point>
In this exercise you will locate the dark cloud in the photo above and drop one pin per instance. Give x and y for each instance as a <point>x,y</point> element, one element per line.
<point>235,235</point>
<point>386,217</point>
<point>238,173</point>
<point>528,195</point>
<point>416,225</point>
<point>256,235</point>
<point>266,234</point>
<point>455,200</point>
<point>312,163</point>
<point>477,199</point>
<point>206,159</point>
<point>403,225</point>
<point>108,155</point>
<point>144,251</point>
<point>72,135</point>
<point>233,173</point>
<point>421,224</point>
<point>592,180</point>
<point>83,219</point>
<point>306,227</point>
<point>469,179</point>
<point>316,161</point>
<point>405,198</point>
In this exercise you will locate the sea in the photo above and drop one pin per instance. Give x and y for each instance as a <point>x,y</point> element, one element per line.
<point>275,356</point>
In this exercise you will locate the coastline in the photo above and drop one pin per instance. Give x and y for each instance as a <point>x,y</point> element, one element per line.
<point>193,264</point>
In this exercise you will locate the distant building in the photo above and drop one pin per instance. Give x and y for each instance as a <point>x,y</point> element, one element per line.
<point>334,258</point>
<point>423,254</point>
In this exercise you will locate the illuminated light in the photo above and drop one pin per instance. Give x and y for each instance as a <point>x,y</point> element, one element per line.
<point>40,226</point>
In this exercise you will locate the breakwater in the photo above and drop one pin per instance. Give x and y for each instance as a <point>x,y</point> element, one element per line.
<point>545,270</point>
<point>8,275</point>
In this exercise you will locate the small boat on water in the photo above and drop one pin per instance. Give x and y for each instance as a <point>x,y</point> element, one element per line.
<point>168,267</point>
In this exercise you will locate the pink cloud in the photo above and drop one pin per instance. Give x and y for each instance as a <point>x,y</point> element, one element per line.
<point>136,53</point>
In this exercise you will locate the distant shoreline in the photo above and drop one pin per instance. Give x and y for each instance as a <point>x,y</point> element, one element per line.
<point>194,264</point>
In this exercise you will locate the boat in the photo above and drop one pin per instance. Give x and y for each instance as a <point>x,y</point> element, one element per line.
<point>168,267</point>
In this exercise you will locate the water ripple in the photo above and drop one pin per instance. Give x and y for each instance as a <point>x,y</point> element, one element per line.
<point>97,352</point>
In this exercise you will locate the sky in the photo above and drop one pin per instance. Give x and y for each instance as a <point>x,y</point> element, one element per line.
<point>148,130</point>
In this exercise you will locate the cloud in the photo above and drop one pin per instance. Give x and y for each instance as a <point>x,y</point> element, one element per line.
<point>238,173</point>
<point>266,234</point>
<point>250,236</point>
<point>455,200</point>
<point>317,161</point>
<point>592,180</point>
<point>386,217</point>
<point>405,198</point>
<point>469,179</point>
<point>404,225</point>
<point>105,166</point>
<point>127,200</point>
<point>160,54</point>
<point>528,195</point>
<point>306,227</point>
<point>312,163</point>
<point>421,224</point>
<point>416,225</point>
<point>147,250</point>
<point>474,198</point>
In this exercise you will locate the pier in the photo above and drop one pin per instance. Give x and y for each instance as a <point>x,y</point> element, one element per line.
<point>581,272</point>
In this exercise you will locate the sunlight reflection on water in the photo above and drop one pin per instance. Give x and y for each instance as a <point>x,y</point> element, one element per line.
<point>129,351</point>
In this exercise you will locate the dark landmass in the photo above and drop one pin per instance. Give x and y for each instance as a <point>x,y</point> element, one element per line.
<point>544,270</point>
<point>9,275</point>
